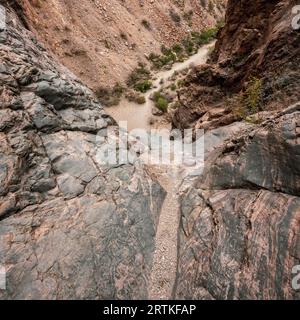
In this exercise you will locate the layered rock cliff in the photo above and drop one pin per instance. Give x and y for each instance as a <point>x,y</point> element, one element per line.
<point>70,228</point>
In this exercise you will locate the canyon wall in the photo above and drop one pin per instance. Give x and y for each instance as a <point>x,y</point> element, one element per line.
<point>70,228</point>
<point>240,222</point>
<point>240,230</point>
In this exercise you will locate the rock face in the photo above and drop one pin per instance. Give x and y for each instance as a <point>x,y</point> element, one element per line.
<point>70,228</point>
<point>240,231</point>
<point>257,42</point>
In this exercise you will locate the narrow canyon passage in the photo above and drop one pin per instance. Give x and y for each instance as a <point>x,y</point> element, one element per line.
<point>164,269</point>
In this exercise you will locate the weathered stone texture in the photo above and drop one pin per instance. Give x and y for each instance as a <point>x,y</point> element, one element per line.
<point>69,227</point>
<point>240,231</point>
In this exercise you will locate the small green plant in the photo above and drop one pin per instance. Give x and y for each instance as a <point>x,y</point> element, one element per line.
<point>162,104</point>
<point>248,102</point>
<point>160,101</point>
<point>189,45</point>
<point>143,86</point>
<point>140,100</point>
<point>173,87</point>
<point>177,48</point>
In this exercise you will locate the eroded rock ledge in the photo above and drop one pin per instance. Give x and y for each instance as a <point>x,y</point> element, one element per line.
<point>69,228</point>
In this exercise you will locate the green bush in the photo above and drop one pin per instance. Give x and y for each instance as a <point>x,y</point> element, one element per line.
<point>177,48</point>
<point>162,104</point>
<point>143,86</point>
<point>160,101</point>
<point>187,47</point>
<point>205,36</point>
<point>140,100</point>
<point>110,96</point>
<point>173,87</point>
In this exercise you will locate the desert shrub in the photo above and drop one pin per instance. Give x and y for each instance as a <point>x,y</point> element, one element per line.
<point>181,51</point>
<point>160,101</point>
<point>139,74</point>
<point>173,87</point>
<point>110,96</point>
<point>138,98</point>
<point>123,36</point>
<point>188,15</point>
<point>162,104</point>
<point>188,45</point>
<point>175,16</point>
<point>143,86</point>
<point>211,6</point>
<point>177,48</point>
<point>180,83</point>
<point>205,36</point>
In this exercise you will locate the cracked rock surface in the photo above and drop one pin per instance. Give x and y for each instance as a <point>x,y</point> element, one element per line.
<point>240,222</point>
<point>69,227</point>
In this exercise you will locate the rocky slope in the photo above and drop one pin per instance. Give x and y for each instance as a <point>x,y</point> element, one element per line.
<point>102,41</point>
<point>253,68</point>
<point>70,228</point>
